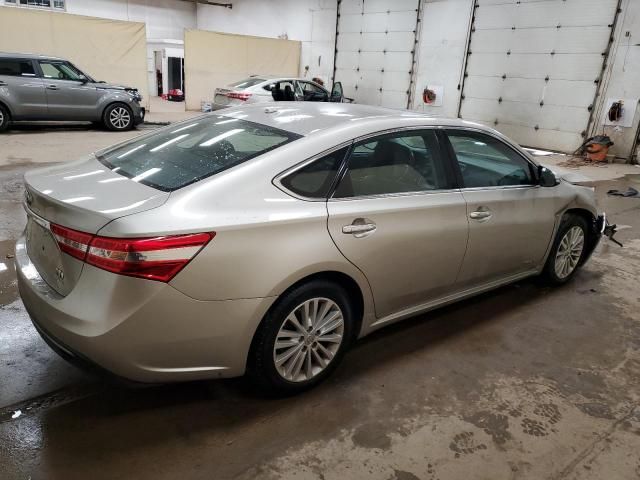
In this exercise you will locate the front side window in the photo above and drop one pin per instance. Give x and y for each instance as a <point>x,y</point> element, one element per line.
<point>394,163</point>
<point>485,161</point>
<point>311,92</point>
<point>16,68</point>
<point>315,179</point>
<point>182,154</point>
<point>61,71</point>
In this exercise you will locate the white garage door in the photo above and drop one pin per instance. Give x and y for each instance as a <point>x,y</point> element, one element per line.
<point>375,45</point>
<point>534,67</point>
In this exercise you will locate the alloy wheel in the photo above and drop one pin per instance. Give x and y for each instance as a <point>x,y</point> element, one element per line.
<point>120,117</point>
<point>569,252</point>
<point>1,117</point>
<point>308,339</point>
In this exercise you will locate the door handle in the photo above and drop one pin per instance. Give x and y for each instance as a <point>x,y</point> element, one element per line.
<point>360,227</point>
<point>480,215</point>
<point>52,87</point>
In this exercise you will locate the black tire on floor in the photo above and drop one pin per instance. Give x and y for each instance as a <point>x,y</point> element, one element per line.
<point>261,367</point>
<point>568,222</point>
<point>5,118</point>
<point>118,117</point>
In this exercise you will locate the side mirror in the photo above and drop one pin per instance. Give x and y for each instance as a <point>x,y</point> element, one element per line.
<point>336,92</point>
<point>546,177</point>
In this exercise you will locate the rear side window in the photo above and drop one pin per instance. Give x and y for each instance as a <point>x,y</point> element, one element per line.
<point>315,179</point>
<point>247,82</point>
<point>16,68</point>
<point>180,155</point>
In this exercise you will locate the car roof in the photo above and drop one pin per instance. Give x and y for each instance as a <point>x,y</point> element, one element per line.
<point>28,55</point>
<point>306,118</point>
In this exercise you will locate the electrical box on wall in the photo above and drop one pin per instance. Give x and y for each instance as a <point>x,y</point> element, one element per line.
<point>620,112</point>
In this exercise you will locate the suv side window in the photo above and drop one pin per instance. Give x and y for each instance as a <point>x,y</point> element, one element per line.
<point>16,68</point>
<point>485,161</point>
<point>315,179</point>
<point>400,162</point>
<point>60,71</point>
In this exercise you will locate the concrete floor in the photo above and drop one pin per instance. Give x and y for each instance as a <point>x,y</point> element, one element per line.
<point>524,382</point>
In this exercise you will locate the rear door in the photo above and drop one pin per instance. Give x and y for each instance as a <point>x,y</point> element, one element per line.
<point>69,95</point>
<point>396,215</point>
<point>22,89</point>
<point>511,218</point>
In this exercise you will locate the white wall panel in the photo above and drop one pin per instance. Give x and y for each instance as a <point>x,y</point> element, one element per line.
<point>535,64</point>
<point>374,50</point>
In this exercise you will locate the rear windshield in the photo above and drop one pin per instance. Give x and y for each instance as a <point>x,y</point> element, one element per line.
<point>247,82</point>
<point>185,153</point>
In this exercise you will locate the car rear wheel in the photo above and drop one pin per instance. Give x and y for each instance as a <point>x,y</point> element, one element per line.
<point>4,118</point>
<point>118,117</point>
<point>302,339</point>
<point>568,250</point>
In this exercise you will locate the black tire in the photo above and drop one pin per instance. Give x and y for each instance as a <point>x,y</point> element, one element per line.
<point>5,118</point>
<point>550,273</point>
<point>262,370</point>
<point>115,115</point>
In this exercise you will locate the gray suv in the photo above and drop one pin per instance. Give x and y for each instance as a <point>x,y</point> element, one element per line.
<point>36,87</point>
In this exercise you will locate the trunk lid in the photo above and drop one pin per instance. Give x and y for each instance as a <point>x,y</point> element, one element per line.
<point>220,96</point>
<point>83,196</point>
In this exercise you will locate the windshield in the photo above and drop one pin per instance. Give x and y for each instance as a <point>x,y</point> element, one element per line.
<point>247,82</point>
<point>179,155</point>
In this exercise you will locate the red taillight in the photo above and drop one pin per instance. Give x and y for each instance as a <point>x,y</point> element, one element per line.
<point>70,241</point>
<point>157,258</point>
<point>239,95</point>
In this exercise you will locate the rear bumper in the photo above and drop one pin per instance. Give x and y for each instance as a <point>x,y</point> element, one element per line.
<point>140,330</point>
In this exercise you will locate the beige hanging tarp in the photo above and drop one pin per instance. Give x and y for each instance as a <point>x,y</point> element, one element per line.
<point>213,60</point>
<point>111,50</point>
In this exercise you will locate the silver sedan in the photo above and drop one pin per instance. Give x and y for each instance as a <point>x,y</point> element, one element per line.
<point>267,239</point>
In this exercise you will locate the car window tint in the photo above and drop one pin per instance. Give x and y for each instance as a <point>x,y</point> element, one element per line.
<point>182,154</point>
<point>394,163</point>
<point>315,179</point>
<point>60,71</point>
<point>487,162</point>
<point>16,68</point>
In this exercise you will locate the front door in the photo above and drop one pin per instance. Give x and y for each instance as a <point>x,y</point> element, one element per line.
<point>70,96</point>
<point>22,89</point>
<point>396,216</point>
<point>511,218</point>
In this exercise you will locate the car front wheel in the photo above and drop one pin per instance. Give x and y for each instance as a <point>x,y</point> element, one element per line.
<point>118,117</point>
<point>4,119</point>
<point>302,339</point>
<point>568,250</point>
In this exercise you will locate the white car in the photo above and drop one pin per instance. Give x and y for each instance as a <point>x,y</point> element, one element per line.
<point>256,89</point>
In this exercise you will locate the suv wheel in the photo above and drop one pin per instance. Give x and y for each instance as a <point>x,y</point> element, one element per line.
<point>568,250</point>
<point>4,118</point>
<point>302,339</point>
<point>118,117</point>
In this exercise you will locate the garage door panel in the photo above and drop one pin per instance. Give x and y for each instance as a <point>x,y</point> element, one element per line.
<point>546,14</point>
<point>542,40</point>
<point>393,22</point>
<point>369,96</point>
<point>349,41</point>
<point>347,60</point>
<point>392,41</point>
<point>394,81</point>
<point>350,23</point>
<point>348,76</point>
<point>391,99</point>
<point>551,117</point>
<point>532,90</point>
<point>370,79</point>
<point>551,139</point>
<point>397,61</point>
<point>377,6</point>
<point>351,6</point>
<point>371,60</point>
<point>566,67</point>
